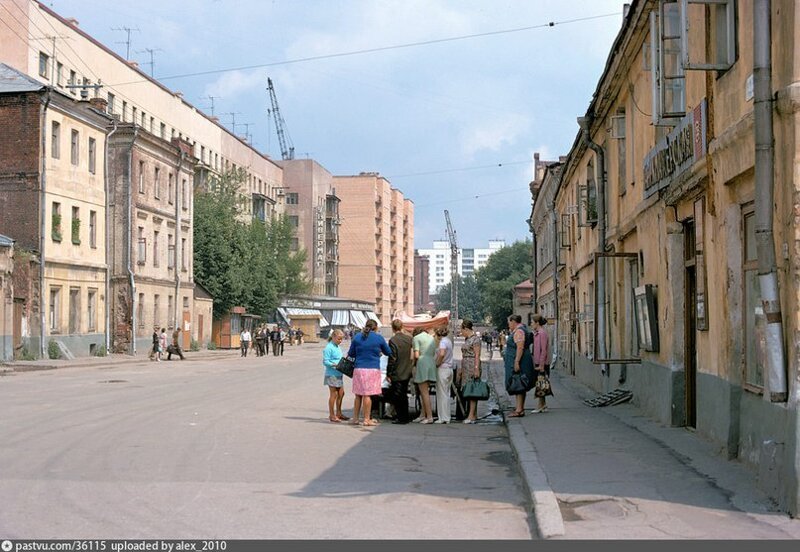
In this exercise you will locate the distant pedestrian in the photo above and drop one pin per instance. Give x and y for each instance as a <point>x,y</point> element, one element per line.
<point>175,348</point>
<point>518,360</point>
<point>426,372</point>
<point>541,357</point>
<point>470,366</point>
<point>399,370</point>
<point>501,341</point>
<point>259,340</point>
<point>244,341</point>
<point>162,343</point>
<point>444,377</point>
<point>284,338</point>
<point>334,379</point>
<point>366,348</point>
<point>275,337</point>
<point>155,354</point>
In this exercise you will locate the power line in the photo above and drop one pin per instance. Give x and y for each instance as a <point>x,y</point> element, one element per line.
<point>377,49</point>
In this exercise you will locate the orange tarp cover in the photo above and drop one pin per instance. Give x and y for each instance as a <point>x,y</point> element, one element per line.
<point>425,322</point>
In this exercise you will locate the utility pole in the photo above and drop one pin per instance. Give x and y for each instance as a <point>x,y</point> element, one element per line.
<point>152,62</point>
<point>127,42</point>
<point>454,277</point>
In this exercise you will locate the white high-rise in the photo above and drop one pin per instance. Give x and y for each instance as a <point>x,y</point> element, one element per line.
<point>469,260</point>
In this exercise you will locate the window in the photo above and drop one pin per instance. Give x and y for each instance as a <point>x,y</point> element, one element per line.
<point>44,62</point>
<point>294,221</point>
<point>667,76</point>
<point>93,229</point>
<point>59,74</point>
<point>170,252</point>
<point>144,119</point>
<point>722,39</point>
<point>124,109</point>
<point>754,320</point>
<point>55,140</point>
<point>202,154</point>
<point>111,98</point>
<point>134,114</point>
<point>76,225</point>
<point>184,195</point>
<point>618,127</point>
<point>74,154</point>
<point>55,222</point>
<point>92,155</point>
<point>157,183</point>
<point>152,125</point>
<point>156,307</point>
<point>169,311</point>
<point>295,245</point>
<point>74,310</point>
<point>54,309</point>
<point>163,131</point>
<point>73,77</point>
<point>155,248</point>
<point>292,198</point>
<point>565,232</point>
<point>91,311</point>
<point>587,198</point>
<point>140,311</point>
<point>170,188</point>
<point>141,177</point>
<point>185,303</point>
<point>183,254</point>
<point>142,252</point>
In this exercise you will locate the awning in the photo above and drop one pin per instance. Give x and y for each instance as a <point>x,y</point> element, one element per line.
<point>289,312</point>
<point>372,316</point>
<point>357,319</point>
<point>340,318</point>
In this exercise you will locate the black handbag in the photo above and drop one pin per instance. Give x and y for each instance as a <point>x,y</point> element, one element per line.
<point>346,366</point>
<point>518,384</point>
<point>476,390</point>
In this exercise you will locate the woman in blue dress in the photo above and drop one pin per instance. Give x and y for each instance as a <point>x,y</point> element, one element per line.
<point>333,377</point>
<point>517,358</point>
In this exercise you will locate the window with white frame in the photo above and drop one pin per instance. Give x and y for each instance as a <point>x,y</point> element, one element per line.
<point>666,68</point>
<point>722,38</point>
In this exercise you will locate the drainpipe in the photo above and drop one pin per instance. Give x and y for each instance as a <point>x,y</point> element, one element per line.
<point>128,233</point>
<point>178,239</point>
<point>776,381</point>
<point>109,225</point>
<point>534,269</point>
<point>556,248</point>
<point>43,224</point>
<point>600,284</point>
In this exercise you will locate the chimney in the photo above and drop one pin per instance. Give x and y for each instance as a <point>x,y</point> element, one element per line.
<point>72,21</point>
<point>100,104</point>
<point>625,9</point>
<point>178,94</point>
<point>134,64</point>
<point>214,118</point>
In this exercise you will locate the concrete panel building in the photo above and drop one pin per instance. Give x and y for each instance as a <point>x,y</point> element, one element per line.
<point>376,244</point>
<point>422,296</point>
<point>469,260</point>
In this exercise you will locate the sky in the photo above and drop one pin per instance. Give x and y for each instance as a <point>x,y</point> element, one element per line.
<point>453,124</point>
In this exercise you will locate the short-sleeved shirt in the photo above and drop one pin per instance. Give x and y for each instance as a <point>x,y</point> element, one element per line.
<point>447,346</point>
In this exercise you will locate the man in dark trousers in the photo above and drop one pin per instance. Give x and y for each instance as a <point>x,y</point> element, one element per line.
<point>275,337</point>
<point>175,348</point>
<point>398,371</point>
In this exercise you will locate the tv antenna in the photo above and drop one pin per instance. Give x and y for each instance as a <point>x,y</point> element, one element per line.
<point>152,62</point>
<point>127,42</point>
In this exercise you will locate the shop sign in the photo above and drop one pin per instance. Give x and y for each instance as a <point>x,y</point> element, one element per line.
<point>677,151</point>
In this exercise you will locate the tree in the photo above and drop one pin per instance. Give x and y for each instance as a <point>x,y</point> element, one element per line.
<point>505,268</point>
<point>243,263</point>
<point>469,299</point>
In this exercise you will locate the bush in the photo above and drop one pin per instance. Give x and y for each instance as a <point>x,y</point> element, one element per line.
<point>101,351</point>
<point>211,346</point>
<point>26,354</point>
<point>53,352</point>
<point>194,345</point>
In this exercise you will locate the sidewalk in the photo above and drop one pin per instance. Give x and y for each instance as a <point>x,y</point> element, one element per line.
<point>612,473</point>
<point>109,360</point>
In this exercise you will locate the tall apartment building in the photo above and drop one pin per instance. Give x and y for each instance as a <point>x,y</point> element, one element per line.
<point>312,207</point>
<point>78,60</point>
<point>53,205</point>
<point>469,260</point>
<point>376,244</point>
<point>421,281</point>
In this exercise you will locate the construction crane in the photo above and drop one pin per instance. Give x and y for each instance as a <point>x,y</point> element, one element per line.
<point>287,148</point>
<point>454,277</point>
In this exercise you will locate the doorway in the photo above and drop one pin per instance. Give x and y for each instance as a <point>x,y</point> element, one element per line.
<point>690,324</point>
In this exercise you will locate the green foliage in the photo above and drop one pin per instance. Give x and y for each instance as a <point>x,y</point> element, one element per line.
<point>101,351</point>
<point>53,352</point>
<point>76,231</point>
<point>26,354</point>
<point>194,345</point>
<point>469,299</point>
<point>211,346</point>
<point>505,268</point>
<point>243,262</point>
<point>56,227</point>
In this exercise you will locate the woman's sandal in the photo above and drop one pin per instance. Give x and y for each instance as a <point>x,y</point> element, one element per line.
<point>343,417</point>
<point>370,422</point>
<point>334,419</point>
<point>516,414</point>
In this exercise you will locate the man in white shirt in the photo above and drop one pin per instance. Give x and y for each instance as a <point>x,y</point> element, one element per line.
<point>245,339</point>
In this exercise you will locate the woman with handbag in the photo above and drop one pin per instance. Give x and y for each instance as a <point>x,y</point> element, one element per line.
<point>331,356</point>
<point>518,363</point>
<point>470,372</point>
<point>541,361</point>
<point>366,348</point>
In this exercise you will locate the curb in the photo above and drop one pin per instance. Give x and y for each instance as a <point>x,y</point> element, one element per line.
<point>546,512</point>
<point>21,367</point>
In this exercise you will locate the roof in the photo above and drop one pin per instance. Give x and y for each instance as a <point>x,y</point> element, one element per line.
<point>13,81</point>
<point>5,241</point>
<point>527,284</point>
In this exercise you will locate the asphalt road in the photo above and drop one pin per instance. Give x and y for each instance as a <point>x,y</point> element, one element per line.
<point>238,448</point>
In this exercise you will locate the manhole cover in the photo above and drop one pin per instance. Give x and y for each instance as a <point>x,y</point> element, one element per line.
<point>114,381</point>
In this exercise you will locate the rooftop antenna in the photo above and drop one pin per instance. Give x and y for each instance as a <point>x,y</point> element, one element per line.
<point>152,62</point>
<point>212,98</point>
<point>126,42</point>
<point>247,136</point>
<point>233,120</point>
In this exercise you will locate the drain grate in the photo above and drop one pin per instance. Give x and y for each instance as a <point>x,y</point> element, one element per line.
<point>617,396</point>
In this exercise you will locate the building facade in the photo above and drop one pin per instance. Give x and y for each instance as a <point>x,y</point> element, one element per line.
<point>312,208</point>
<point>7,333</point>
<point>422,298</point>
<point>376,244</point>
<point>678,234</point>
<point>53,202</point>
<point>469,260</point>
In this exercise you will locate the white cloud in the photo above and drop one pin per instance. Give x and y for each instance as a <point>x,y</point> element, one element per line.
<point>235,83</point>
<point>492,134</point>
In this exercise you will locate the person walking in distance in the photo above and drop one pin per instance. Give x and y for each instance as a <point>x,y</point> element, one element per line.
<point>154,352</point>
<point>518,359</point>
<point>162,343</point>
<point>541,356</point>
<point>244,342</point>
<point>366,348</point>
<point>399,370</point>
<point>470,366</point>
<point>275,337</point>
<point>444,377</point>
<point>175,348</point>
